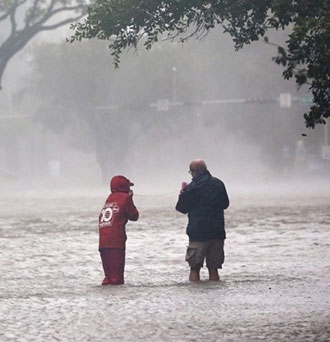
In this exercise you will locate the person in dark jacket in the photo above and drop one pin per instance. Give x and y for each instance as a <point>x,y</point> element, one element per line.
<point>204,200</point>
<point>117,210</point>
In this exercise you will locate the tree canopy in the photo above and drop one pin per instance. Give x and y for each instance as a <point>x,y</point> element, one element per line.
<point>305,56</point>
<point>149,108</point>
<point>23,19</point>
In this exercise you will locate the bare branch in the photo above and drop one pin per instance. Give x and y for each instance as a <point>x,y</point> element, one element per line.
<point>59,24</point>
<point>37,14</point>
<point>30,16</point>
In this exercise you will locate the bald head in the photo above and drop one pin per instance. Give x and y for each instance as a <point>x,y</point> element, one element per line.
<point>197,166</point>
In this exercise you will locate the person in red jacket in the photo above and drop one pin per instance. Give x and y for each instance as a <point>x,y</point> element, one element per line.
<point>117,210</point>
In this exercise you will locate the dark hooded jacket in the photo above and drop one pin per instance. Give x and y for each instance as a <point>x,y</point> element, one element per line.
<point>204,199</point>
<point>117,210</point>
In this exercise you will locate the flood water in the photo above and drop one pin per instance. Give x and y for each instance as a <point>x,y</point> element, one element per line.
<point>275,282</point>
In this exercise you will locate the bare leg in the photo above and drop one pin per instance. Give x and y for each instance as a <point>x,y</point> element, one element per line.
<point>194,274</point>
<point>213,274</point>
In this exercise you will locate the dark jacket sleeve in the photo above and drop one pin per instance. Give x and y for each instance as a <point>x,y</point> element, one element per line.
<point>185,202</point>
<point>225,199</point>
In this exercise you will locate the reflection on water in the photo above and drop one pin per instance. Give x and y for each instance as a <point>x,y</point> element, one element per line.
<point>274,287</point>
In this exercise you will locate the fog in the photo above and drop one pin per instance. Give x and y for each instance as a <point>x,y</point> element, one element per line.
<point>152,116</point>
<point>69,122</point>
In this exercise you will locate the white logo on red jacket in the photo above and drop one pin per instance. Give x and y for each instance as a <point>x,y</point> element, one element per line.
<point>107,214</point>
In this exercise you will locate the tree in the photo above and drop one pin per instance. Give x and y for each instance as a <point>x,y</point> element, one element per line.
<point>305,55</point>
<point>37,16</point>
<point>77,103</point>
<point>93,107</point>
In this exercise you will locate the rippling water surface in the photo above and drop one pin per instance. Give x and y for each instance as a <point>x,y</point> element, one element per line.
<point>274,284</point>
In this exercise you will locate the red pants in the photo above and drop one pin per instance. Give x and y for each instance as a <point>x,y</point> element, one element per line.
<point>113,262</point>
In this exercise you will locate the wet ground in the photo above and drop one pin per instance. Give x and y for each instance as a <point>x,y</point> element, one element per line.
<point>274,286</point>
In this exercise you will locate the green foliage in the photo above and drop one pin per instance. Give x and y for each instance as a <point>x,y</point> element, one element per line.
<point>305,56</point>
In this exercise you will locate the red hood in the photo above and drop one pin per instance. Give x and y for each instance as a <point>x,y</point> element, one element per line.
<point>120,184</point>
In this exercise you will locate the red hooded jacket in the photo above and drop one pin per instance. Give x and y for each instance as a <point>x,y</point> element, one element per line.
<point>117,210</point>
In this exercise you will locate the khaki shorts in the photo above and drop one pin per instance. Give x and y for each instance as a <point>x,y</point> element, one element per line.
<point>212,251</point>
